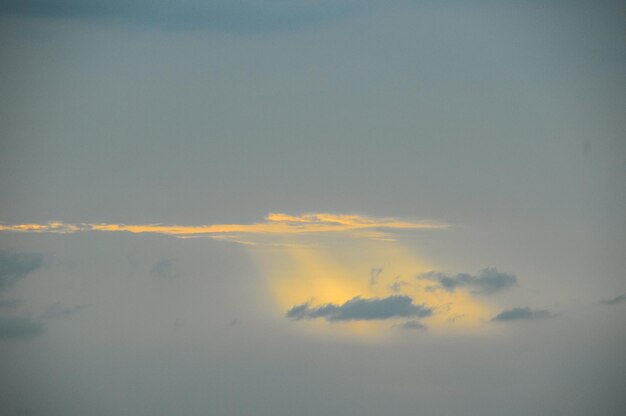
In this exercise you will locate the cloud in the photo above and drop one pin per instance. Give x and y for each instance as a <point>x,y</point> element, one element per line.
<point>24,327</point>
<point>227,15</point>
<point>359,309</point>
<point>9,304</point>
<point>374,273</point>
<point>615,300</point>
<point>57,311</point>
<point>14,266</point>
<point>397,285</point>
<point>413,325</point>
<point>519,314</point>
<point>489,280</point>
<point>164,269</point>
<point>274,224</point>
<point>19,328</point>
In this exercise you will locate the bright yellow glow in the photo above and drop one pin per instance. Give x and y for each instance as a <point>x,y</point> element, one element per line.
<point>325,259</point>
<point>337,271</point>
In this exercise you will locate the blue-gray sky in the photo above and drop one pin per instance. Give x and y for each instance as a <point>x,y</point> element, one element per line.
<point>464,159</point>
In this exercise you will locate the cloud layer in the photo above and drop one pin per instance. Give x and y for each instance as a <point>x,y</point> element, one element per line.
<point>230,15</point>
<point>274,224</point>
<point>359,309</point>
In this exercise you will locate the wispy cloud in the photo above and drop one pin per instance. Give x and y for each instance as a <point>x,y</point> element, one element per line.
<point>14,266</point>
<point>397,285</point>
<point>522,314</point>
<point>9,304</point>
<point>274,224</point>
<point>374,273</point>
<point>489,280</point>
<point>359,309</point>
<point>19,328</point>
<point>165,269</point>
<point>58,311</point>
<point>413,325</point>
<point>614,301</point>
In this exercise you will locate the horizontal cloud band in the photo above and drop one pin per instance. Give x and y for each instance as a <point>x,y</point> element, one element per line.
<point>240,16</point>
<point>273,224</point>
<point>358,309</point>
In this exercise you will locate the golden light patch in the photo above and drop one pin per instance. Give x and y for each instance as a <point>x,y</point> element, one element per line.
<point>325,259</point>
<point>336,271</point>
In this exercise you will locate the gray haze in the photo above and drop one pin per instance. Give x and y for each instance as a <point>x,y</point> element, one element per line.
<point>503,119</point>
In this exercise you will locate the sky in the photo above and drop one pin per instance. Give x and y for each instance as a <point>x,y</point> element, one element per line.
<point>312,207</point>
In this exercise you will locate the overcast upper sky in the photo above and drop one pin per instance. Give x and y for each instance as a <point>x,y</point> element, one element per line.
<point>312,207</point>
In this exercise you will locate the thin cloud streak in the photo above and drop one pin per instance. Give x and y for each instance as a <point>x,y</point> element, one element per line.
<point>274,224</point>
<point>522,314</point>
<point>614,301</point>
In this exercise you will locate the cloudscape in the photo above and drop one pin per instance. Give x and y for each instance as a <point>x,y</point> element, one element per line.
<point>316,207</point>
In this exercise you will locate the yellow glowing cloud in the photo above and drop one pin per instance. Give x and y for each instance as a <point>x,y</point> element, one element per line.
<point>275,224</point>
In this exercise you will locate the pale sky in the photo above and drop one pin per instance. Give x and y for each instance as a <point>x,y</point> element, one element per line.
<point>312,208</point>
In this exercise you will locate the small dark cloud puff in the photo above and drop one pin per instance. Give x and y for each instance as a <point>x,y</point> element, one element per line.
<point>359,309</point>
<point>520,314</point>
<point>397,286</point>
<point>489,280</point>
<point>19,328</point>
<point>165,269</point>
<point>14,266</point>
<point>614,301</point>
<point>413,325</point>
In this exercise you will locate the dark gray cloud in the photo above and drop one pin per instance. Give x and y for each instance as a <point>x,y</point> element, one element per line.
<point>359,309</point>
<point>19,328</point>
<point>165,269</point>
<point>489,280</point>
<point>615,300</point>
<point>413,325</point>
<point>14,266</point>
<point>519,314</point>
<point>229,15</point>
<point>58,311</point>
